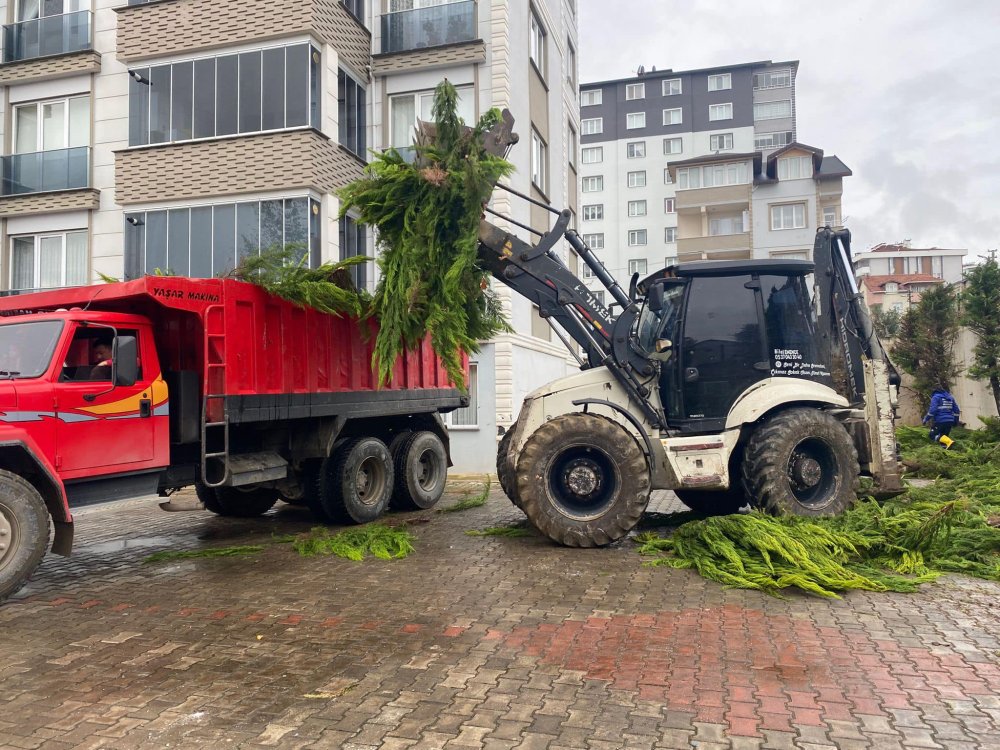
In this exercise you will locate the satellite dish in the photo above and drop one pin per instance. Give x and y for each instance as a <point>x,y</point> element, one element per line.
<point>641,71</point>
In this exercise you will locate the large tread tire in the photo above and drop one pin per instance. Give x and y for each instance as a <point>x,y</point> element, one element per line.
<point>420,466</point>
<point>357,481</point>
<point>714,502</point>
<point>395,445</point>
<point>506,475</point>
<point>801,462</point>
<point>24,532</point>
<point>583,480</point>
<point>238,503</point>
<point>312,479</point>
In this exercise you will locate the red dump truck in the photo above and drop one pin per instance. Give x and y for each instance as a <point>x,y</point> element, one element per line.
<point>148,386</point>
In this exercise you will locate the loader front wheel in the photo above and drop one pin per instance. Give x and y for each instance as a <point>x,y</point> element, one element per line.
<point>505,473</point>
<point>583,480</point>
<point>24,532</point>
<point>801,462</point>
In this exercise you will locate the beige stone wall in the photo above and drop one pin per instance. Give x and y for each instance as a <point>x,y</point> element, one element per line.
<point>249,164</point>
<point>46,68</point>
<point>184,26</point>
<point>433,57</point>
<point>43,203</point>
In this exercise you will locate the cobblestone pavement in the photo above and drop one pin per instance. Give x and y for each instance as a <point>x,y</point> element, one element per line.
<point>470,642</point>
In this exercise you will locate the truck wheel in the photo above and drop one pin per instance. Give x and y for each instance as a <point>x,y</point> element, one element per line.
<point>582,480</point>
<point>420,465</point>
<point>24,532</point>
<point>505,474</point>
<point>713,502</point>
<point>238,502</point>
<point>357,481</point>
<point>801,462</point>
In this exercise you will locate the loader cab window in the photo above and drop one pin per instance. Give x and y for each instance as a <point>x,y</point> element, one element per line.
<point>658,334</point>
<point>723,348</point>
<point>790,323</point>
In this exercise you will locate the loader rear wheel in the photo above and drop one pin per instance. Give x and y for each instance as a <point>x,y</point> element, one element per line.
<point>357,481</point>
<point>582,480</point>
<point>801,462</point>
<point>237,502</point>
<point>420,465</point>
<point>505,471</point>
<point>24,532</point>
<point>713,502</point>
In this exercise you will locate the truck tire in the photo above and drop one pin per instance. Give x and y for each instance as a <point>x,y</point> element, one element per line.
<point>583,480</point>
<point>357,481</point>
<point>420,466</point>
<point>505,474</point>
<point>801,462</point>
<point>237,502</point>
<point>24,532</point>
<point>714,502</point>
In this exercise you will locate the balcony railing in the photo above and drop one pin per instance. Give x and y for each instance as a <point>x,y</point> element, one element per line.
<point>51,35</point>
<point>429,27</point>
<point>43,171</point>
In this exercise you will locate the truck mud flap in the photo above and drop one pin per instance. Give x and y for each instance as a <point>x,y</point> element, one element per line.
<point>255,468</point>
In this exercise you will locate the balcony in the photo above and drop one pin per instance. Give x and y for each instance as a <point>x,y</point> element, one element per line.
<point>435,26</point>
<point>710,248</point>
<point>731,196</point>
<point>44,37</point>
<point>46,171</point>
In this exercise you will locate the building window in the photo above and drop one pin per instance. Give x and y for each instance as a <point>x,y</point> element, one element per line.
<point>670,260</point>
<point>570,63</point>
<point>51,147</point>
<point>673,145</point>
<point>537,50</point>
<point>635,91</point>
<point>721,142</point>
<point>353,237</point>
<point>593,154</point>
<point>668,206</point>
<point>587,272</point>
<point>637,265</point>
<point>406,109</point>
<point>637,208</point>
<point>637,179</point>
<point>590,97</point>
<point>672,116</point>
<point>468,416</point>
<point>891,287</point>
<point>725,225</point>
<point>897,307</point>
<point>539,162</point>
<point>48,261</point>
<point>540,327</point>
<point>594,241</point>
<point>636,237</point>
<point>572,144</point>
<point>599,294</point>
<point>720,111</point>
<point>634,120</point>
<point>209,240</point>
<point>788,216</point>
<point>670,235</point>
<point>794,167</point>
<point>772,140</point>
<point>593,212</point>
<point>593,184</point>
<point>666,176</point>
<point>635,150</point>
<point>249,92</point>
<point>772,110</point>
<point>772,79</point>
<point>351,111</point>
<point>830,216</point>
<point>672,87</point>
<point>355,7</point>
<point>713,175</point>
<point>592,126</point>
<point>720,82</point>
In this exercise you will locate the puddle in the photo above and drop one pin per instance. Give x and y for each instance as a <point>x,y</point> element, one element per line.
<point>118,545</point>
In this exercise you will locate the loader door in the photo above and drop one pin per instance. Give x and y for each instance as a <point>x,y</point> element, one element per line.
<point>723,349</point>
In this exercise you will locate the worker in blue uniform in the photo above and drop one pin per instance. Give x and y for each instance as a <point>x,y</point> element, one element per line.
<point>943,414</point>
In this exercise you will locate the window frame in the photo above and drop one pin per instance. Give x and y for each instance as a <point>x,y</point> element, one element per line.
<point>668,116</point>
<point>779,72</point>
<point>588,122</point>
<point>595,241</point>
<point>416,98</point>
<point>537,41</point>
<point>670,142</point>
<point>629,120</point>
<point>591,97</point>
<point>36,260</point>
<point>473,407</point>
<point>597,212</point>
<point>590,150</point>
<point>635,87</point>
<point>715,108</point>
<point>539,162</point>
<point>670,235</point>
<point>727,139</point>
<point>780,207</point>
<point>726,77</point>
<point>784,165</point>
<point>667,84</point>
<point>670,205</point>
<point>599,181</point>
<point>760,105</point>
<point>38,105</point>
<point>632,146</point>
<point>635,235</point>
<point>637,205</point>
<point>636,173</point>
<point>638,265</point>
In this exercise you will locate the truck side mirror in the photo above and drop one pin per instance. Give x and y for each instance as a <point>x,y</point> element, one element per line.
<point>124,361</point>
<point>655,297</point>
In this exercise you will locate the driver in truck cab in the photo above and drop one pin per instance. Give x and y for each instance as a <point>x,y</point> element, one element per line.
<point>101,350</point>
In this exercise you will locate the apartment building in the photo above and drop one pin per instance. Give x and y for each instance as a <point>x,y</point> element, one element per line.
<point>183,135</point>
<point>899,259</point>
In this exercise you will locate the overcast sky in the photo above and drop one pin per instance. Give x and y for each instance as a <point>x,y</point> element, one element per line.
<point>906,92</point>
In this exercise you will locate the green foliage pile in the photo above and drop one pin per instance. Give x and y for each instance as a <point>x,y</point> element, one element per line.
<point>377,539</point>
<point>240,551</point>
<point>476,501</point>
<point>513,530</point>
<point>285,272</point>
<point>427,215</point>
<point>952,525</point>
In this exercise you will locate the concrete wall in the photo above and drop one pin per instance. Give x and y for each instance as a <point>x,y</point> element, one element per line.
<point>473,450</point>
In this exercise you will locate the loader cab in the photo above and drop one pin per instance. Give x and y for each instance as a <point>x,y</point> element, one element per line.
<point>719,327</point>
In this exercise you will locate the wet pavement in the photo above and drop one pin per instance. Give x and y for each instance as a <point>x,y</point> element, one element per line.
<point>470,642</point>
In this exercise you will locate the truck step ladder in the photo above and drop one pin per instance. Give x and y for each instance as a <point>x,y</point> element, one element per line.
<point>215,409</point>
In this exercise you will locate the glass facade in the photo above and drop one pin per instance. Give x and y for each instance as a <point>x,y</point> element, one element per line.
<point>412,24</point>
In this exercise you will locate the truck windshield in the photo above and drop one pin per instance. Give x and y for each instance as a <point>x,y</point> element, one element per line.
<point>663,323</point>
<point>26,348</point>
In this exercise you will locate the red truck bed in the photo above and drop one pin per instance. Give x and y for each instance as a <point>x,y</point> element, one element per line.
<point>273,359</point>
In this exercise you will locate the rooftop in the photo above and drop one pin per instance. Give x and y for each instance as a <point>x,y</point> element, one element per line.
<point>877,283</point>
<point>671,73</point>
